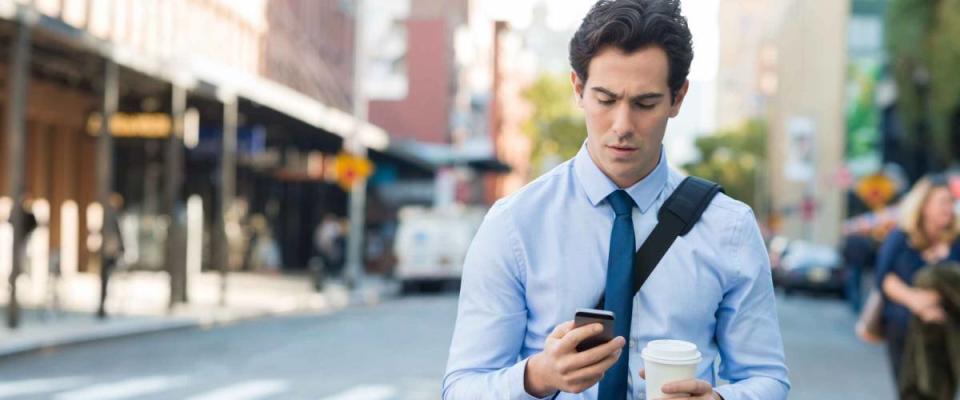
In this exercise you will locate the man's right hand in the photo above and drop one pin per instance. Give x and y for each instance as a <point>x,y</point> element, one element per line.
<point>561,367</point>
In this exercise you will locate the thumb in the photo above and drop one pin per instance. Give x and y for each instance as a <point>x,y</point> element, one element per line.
<point>643,373</point>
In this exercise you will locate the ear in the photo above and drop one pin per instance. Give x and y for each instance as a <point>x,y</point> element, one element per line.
<point>577,87</point>
<point>678,99</point>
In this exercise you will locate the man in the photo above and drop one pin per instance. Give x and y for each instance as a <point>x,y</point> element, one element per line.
<point>543,252</point>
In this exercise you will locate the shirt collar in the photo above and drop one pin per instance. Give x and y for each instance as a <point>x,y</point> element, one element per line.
<point>598,186</point>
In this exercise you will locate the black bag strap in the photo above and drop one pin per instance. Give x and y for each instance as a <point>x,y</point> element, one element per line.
<point>679,213</point>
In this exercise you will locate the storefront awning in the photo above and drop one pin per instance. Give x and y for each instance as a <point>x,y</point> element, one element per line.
<point>478,158</point>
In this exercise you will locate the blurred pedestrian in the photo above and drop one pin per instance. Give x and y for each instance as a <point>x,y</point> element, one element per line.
<point>926,235</point>
<point>859,255</point>
<point>111,250</point>
<point>329,240</point>
<point>931,356</point>
<point>264,253</point>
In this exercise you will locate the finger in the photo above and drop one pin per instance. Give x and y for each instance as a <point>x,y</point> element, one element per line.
<point>643,373</point>
<point>693,387</point>
<point>597,354</point>
<point>577,335</point>
<point>937,316</point>
<point>561,330</point>
<point>593,373</point>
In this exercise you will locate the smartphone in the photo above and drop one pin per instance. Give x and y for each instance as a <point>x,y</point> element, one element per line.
<point>587,316</point>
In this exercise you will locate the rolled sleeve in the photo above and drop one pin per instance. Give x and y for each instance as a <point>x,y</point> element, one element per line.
<point>748,331</point>
<point>491,317</point>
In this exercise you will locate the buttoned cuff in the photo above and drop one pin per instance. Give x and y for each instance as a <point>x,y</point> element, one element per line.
<point>515,375</point>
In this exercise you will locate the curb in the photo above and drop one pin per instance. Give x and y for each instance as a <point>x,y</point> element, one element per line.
<point>136,326</point>
<point>110,330</point>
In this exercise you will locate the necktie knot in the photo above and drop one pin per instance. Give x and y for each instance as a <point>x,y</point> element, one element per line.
<point>621,202</point>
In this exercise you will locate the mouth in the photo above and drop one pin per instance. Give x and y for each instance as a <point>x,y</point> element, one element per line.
<point>622,150</point>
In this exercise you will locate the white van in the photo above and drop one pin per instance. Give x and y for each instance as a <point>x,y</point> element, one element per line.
<point>431,244</point>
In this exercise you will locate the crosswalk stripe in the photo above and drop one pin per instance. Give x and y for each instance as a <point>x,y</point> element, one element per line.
<point>129,388</point>
<point>35,386</point>
<point>366,392</point>
<point>245,391</point>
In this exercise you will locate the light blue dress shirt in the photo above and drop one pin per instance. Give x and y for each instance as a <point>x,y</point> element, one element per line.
<point>541,253</point>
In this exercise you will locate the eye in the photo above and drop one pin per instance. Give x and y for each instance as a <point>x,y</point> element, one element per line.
<point>606,102</point>
<point>644,106</point>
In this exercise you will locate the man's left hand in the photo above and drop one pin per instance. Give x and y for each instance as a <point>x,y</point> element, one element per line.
<point>692,388</point>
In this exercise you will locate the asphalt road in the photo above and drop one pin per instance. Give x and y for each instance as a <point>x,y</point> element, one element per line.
<point>396,350</point>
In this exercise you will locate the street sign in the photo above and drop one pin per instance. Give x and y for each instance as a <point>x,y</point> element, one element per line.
<point>352,169</point>
<point>876,190</point>
<point>800,145</point>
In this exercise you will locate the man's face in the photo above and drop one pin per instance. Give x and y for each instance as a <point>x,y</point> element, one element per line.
<point>627,103</point>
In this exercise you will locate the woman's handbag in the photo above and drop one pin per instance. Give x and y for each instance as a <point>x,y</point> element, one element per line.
<point>870,324</point>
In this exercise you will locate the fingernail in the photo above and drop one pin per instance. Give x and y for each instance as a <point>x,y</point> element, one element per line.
<point>597,328</point>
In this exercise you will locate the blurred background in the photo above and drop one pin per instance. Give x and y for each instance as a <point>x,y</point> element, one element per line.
<point>252,199</point>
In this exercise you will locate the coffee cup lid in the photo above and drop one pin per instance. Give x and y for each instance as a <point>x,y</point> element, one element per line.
<point>671,352</point>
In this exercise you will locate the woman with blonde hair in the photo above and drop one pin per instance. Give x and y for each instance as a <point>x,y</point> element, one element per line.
<point>927,234</point>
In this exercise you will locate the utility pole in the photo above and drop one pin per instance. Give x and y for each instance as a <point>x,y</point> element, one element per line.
<point>354,145</point>
<point>16,138</point>
<point>228,181</point>
<point>175,258</point>
<point>105,176</point>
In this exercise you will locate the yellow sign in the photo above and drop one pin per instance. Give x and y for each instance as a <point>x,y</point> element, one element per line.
<point>352,169</point>
<point>876,190</point>
<point>142,125</point>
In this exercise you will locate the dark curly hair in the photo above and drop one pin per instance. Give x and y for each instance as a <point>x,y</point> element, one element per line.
<point>631,25</point>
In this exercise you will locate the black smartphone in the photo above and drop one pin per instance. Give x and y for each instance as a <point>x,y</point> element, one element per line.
<point>587,316</point>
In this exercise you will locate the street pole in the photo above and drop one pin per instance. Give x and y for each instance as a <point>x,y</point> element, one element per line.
<point>228,177</point>
<point>175,253</point>
<point>16,138</point>
<point>105,175</point>
<point>354,145</point>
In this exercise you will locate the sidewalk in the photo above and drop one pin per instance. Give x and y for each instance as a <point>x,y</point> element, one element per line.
<point>137,304</point>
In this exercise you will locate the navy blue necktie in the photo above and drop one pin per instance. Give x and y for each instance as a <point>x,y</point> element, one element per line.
<point>619,292</point>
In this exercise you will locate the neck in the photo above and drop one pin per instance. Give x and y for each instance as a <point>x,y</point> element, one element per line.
<point>624,182</point>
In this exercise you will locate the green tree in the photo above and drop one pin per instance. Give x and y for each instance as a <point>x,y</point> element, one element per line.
<point>556,127</point>
<point>922,41</point>
<point>733,158</point>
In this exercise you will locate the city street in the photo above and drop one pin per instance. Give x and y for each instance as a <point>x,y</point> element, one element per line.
<point>393,351</point>
<point>246,187</point>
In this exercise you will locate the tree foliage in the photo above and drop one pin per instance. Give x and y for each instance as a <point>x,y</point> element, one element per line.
<point>923,41</point>
<point>733,158</point>
<point>556,127</point>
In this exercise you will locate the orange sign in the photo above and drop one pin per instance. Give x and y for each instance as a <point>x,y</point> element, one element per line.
<point>876,190</point>
<point>352,169</point>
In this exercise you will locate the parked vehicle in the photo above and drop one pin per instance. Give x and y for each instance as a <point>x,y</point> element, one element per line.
<point>431,244</point>
<point>801,265</point>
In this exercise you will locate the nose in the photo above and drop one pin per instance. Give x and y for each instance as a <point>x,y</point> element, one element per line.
<point>622,123</point>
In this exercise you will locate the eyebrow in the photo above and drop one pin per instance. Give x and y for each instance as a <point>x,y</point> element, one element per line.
<point>645,96</point>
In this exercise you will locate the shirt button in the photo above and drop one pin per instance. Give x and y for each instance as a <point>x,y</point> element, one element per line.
<point>633,343</point>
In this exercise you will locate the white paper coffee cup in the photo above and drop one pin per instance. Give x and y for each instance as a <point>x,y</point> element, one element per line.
<point>668,361</point>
